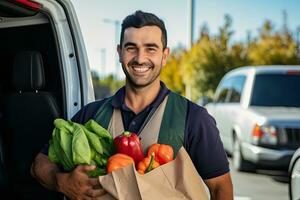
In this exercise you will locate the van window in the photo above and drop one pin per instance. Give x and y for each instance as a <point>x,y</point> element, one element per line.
<point>230,89</point>
<point>223,90</point>
<point>236,89</point>
<point>276,90</point>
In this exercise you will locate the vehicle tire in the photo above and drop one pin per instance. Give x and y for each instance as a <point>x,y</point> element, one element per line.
<point>294,183</point>
<point>239,163</point>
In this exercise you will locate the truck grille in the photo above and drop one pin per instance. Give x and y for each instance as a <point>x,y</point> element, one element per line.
<point>293,137</point>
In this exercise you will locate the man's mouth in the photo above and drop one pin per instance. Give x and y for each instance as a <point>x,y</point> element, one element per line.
<point>141,69</point>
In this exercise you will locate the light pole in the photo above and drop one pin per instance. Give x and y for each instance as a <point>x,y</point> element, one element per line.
<point>191,13</point>
<point>103,60</point>
<point>116,24</point>
<point>191,21</point>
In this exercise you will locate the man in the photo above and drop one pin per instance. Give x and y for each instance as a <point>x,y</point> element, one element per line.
<point>143,52</point>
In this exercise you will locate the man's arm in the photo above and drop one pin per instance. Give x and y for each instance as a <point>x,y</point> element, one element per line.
<point>220,187</point>
<point>75,184</point>
<point>44,171</point>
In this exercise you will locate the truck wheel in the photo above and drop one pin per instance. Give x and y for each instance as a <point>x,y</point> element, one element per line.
<point>239,163</point>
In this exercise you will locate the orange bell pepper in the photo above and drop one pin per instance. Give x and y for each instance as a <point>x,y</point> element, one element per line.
<point>117,161</point>
<point>147,164</point>
<point>163,153</point>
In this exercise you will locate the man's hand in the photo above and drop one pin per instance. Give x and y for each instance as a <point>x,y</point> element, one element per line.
<point>77,184</point>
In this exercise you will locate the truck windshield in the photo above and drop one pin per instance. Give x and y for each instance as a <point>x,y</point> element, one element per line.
<point>276,90</point>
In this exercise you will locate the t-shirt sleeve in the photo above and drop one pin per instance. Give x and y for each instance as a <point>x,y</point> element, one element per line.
<point>203,143</point>
<point>82,116</point>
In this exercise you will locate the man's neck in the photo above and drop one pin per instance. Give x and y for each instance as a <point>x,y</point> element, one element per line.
<point>137,99</point>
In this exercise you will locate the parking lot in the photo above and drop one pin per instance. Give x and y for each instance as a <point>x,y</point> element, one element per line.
<point>262,185</point>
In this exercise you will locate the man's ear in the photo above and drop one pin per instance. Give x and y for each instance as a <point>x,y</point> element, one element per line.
<point>119,50</point>
<point>166,53</point>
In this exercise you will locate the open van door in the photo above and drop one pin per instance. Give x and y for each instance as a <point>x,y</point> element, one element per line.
<point>44,74</point>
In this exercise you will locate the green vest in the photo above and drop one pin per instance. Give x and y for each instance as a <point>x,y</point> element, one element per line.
<point>173,121</point>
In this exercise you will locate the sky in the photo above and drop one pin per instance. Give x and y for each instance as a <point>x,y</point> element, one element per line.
<point>100,22</point>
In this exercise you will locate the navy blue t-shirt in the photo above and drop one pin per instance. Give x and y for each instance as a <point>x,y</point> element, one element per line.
<point>201,136</point>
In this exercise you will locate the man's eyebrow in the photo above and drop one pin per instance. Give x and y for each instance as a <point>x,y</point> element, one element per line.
<point>129,44</point>
<point>147,44</point>
<point>151,45</point>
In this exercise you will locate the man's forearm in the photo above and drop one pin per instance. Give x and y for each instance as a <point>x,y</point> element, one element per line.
<point>222,193</point>
<point>44,171</point>
<point>220,187</point>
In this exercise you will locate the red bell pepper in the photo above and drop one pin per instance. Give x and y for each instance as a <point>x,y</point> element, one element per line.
<point>129,143</point>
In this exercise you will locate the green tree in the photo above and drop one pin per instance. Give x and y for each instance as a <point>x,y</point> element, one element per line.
<point>172,74</point>
<point>206,62</point>
<point>105,86</point>
<point>215,57</point>
<point>273,48</point>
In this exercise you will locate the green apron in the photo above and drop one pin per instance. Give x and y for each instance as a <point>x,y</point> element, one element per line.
<point>166,124</point>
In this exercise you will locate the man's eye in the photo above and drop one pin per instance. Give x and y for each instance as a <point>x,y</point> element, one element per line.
<point>152,49</point>
<point>130,49</point>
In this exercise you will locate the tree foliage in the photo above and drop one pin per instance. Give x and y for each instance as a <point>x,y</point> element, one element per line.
<point>200,68</point>
<point>105,86</point>
<point>206,62</point>
<point>273,48</point>
<point>172,72</point>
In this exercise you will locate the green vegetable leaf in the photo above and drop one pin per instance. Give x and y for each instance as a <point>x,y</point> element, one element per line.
<point>80,146</point>
<point>108,147</point>
<point>51,153</point>
<point>93,126</point>
<point>66,143</point>
<point>60,153</point>
<point>97,172</point>
<point>93,140</point>
<point>98,160</point>
<point>63,125</point>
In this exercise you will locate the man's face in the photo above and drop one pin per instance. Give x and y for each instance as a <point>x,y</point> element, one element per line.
<point>142,55</point>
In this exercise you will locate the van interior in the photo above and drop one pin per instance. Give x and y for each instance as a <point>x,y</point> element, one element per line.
<point>31,96</point>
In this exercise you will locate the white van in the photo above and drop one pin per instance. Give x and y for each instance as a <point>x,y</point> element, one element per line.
<point>44,74</point>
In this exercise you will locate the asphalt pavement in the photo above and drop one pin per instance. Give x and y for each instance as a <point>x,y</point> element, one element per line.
<point>261,185</point>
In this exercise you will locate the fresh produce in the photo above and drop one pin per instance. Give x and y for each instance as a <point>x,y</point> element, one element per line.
<point>163,153</point>
<point>75,144</point>
<point>147,164</point>
<point>129,143</point>
<point>117,161</point>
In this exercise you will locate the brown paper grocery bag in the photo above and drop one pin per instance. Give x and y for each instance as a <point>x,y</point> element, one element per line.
<point>177,179</point>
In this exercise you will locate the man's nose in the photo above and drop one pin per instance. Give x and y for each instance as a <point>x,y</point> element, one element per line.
<point>140,57</point>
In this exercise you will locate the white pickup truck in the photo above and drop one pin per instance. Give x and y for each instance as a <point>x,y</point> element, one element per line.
<point>257,110</point>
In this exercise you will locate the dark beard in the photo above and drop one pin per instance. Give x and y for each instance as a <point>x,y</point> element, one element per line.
<point>134,63</point>
<point>133,83</point>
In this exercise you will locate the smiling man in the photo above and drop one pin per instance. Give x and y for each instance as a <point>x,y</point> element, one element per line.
<point>143,52</point>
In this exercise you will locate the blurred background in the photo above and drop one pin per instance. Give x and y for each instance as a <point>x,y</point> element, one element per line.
<point>208,38</point>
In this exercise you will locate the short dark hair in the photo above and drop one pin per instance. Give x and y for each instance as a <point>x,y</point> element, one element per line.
<point>140,19</point>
